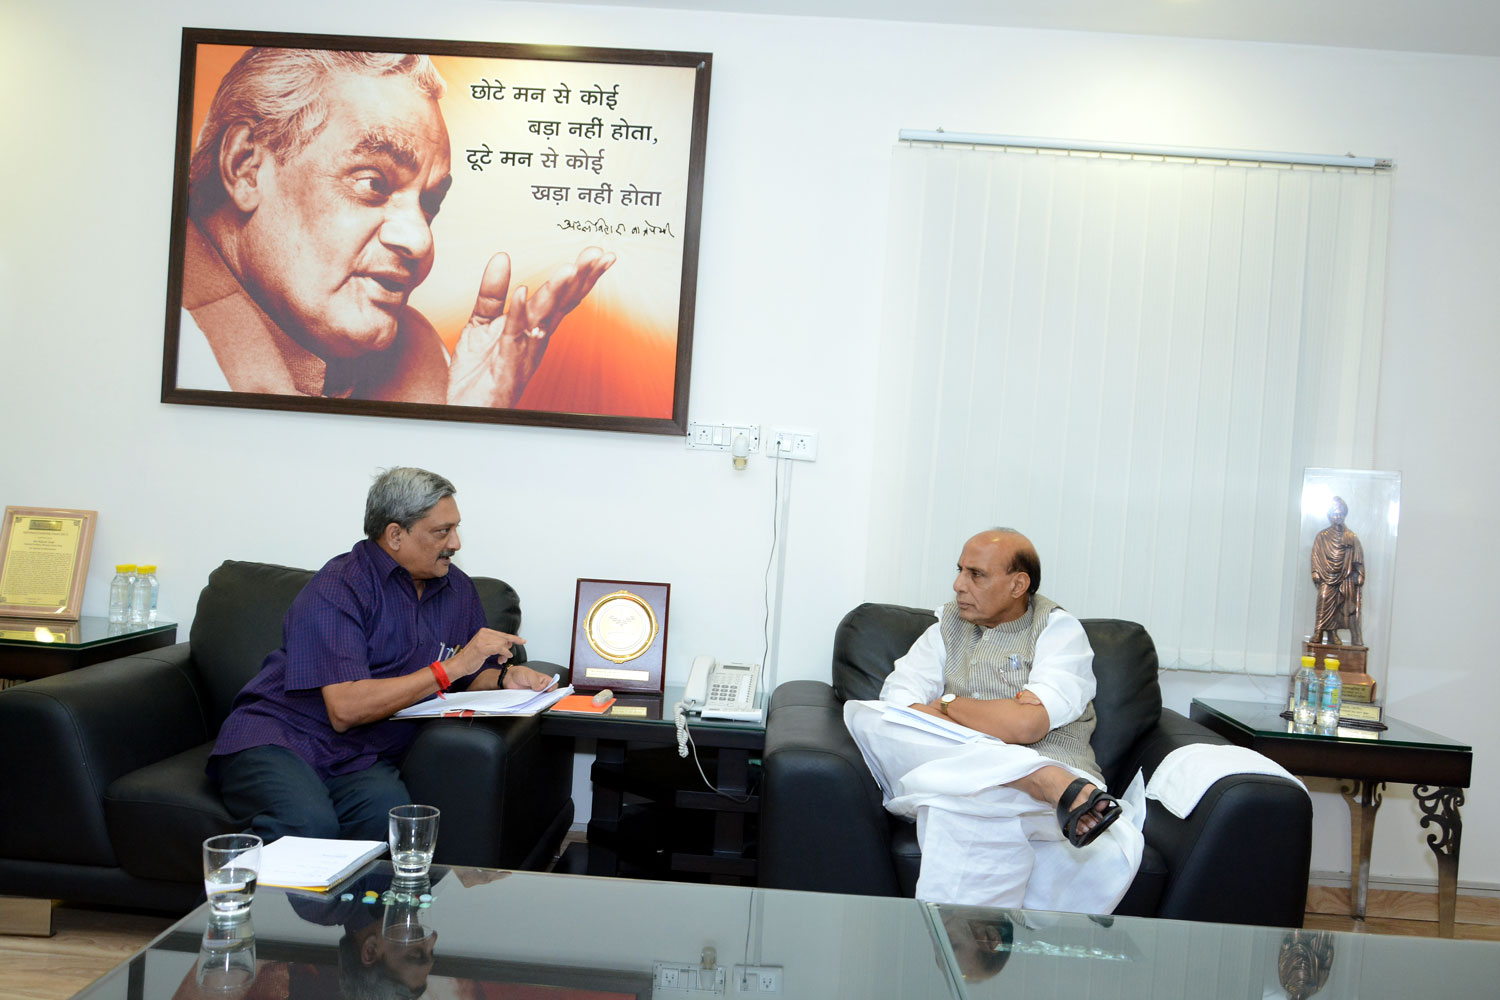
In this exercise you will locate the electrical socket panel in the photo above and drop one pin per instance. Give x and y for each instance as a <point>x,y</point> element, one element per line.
<point>801,446</point>
<point>686,981</point>
<point>756,981</point>
<point>720,437</point>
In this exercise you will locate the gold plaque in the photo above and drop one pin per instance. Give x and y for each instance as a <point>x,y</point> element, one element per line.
<point>620,626</point>
<point>620,636</point>
<point>1364,711</point>
<point>44,562</point>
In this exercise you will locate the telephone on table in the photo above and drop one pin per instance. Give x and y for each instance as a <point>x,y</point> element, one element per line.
<point>719,691</point>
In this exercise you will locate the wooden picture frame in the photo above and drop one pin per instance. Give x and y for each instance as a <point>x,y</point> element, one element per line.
<point>620,636</point>
<point>574,172</point>
<point>44,562</point>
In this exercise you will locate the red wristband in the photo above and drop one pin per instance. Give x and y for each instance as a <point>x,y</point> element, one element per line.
<point>442,676</point>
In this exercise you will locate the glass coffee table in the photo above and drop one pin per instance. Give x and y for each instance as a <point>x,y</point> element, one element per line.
<point>492,935</point>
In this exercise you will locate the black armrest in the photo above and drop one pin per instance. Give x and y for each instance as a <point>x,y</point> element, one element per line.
<point>822,826</point>
<point>564,674</point>
<point>64,738</point>
<point>1242,855</point>
<point>498,782</point>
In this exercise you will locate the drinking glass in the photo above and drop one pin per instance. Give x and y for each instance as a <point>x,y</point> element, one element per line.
<point>231,865</point>
<point>414,832</point>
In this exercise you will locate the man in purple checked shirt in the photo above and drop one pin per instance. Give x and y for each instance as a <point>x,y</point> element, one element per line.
<point>310,748</point>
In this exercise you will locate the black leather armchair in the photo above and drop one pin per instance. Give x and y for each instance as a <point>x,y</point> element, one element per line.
<point>1240,857</point>
<point>103,790</point>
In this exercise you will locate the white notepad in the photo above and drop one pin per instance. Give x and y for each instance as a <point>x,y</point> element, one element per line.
<point>314,863</point>
<point>518,701</point>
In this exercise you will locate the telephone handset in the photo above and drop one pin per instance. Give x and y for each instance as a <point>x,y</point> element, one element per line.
<point>718,691</point>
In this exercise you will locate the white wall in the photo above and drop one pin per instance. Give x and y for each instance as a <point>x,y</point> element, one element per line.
<point>803,115</point>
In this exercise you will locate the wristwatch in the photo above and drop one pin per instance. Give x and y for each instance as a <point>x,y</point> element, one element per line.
<point>945,701</point>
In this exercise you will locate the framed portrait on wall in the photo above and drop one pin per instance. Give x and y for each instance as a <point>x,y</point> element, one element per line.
<point>436,229</point>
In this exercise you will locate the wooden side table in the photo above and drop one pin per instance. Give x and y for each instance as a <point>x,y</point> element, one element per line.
<point>1437,767</point>
<point>640,722</point>
<point>30,649</point>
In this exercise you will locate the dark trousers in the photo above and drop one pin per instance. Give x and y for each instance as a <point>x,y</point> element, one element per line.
<point>282,795</point>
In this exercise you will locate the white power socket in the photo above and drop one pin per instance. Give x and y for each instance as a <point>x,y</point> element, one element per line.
<point>756,980</point>
<point>799,445</point>
<point>680,980</point>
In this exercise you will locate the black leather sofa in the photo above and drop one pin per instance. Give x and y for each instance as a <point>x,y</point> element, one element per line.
<point>103,790</point>
<point>1240,857</point>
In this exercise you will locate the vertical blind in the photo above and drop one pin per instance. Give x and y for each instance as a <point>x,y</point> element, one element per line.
<point>1131,360</point>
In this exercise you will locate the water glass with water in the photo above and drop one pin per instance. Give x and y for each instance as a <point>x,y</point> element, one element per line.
<point>414,832</point>
<point>231,865</point>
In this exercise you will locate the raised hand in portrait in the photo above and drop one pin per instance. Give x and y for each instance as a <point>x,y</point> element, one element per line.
<point>504,340</point>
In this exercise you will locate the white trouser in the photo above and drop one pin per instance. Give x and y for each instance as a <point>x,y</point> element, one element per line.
<point>984,843</point>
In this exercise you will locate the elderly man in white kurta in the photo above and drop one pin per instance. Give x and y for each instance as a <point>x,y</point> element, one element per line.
<point>1009,802</point>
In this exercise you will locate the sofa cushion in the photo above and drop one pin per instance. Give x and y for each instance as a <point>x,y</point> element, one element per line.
<point>238,622</point>
<point>1127,701</point>
<point>159,815</point>
<point>502,609</point>
<point>868,641</point>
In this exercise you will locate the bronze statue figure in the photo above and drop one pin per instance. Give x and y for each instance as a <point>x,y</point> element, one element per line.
<point>1338,570</point>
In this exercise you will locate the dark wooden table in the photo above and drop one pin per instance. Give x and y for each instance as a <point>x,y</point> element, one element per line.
<point>26,653</point>
<point>646,722</point>
<point>1363,761</point>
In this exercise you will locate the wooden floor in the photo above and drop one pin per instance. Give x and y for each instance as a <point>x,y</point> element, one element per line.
<point>88,943</point>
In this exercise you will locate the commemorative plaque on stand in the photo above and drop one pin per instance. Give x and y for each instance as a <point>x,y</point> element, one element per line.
<point>620,635</point>
<point>44,562</point>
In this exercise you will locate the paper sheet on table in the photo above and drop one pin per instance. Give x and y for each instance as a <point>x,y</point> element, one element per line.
<point>313,862</point>
<point>470,703</point>
<point>951,731</point>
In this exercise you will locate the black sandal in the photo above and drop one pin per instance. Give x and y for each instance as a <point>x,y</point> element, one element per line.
<point>1068,818</point>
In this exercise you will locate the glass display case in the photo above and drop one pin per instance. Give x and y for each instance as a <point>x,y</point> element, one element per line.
<point>1347,568</point>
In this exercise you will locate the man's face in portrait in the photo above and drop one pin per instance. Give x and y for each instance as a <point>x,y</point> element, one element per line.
<point>341,232</point>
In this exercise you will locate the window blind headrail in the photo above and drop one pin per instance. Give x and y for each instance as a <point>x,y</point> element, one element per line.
<point>1128,149</point>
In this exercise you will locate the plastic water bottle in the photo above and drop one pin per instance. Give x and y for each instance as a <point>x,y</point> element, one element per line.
<point>1306,693</point>
<point>1332,695</point>
<point>148,573</point>
<point>119,594</point>
<point>140,597</point>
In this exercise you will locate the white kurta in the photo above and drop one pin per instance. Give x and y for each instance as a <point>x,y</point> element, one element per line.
<point>984,843</point>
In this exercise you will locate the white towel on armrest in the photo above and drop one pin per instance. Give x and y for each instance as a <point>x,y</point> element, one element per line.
<point>1187,772</point>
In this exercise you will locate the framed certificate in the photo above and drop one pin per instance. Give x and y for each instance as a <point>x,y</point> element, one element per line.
<point>44,562</point>
<point>620,635</point>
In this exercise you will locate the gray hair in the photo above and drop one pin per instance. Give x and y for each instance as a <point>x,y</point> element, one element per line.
<point>280,93</point>
<point>402,496</point>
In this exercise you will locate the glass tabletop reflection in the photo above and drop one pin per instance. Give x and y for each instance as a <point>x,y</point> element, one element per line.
<point>489,934</point>
<point>1039,956</point>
